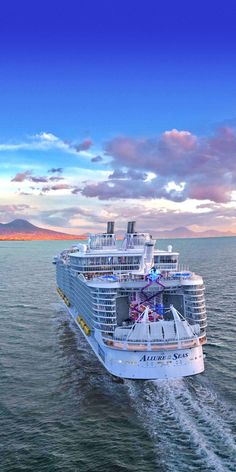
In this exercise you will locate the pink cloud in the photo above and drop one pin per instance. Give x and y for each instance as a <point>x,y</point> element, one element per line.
<point>179,139</point>
<point>207,166</point>
<point>60,187</point>
<point>215,193</point>
<point>21,176</point>
<point>56,187</point>
<point>83,146</point>
<point>27,175</point>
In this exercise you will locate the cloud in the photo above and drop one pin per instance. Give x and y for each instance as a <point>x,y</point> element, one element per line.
<point>27,175</point>
<point>77,148</point>
<point>25,193</point>
<point>10,212</point>
<point>62,217</point>
<point>130,189</point>
<point>131,173</point>
<point>179,140</point>
<point>54,170</point>
<point>97,159</point>
<point>22,176</point>
<point>83,146</point>
<point>76,190</point>
<point>56,187</point>
<point>158,219</point>
<point>38,179</point>
<point>41,141</point>
<point>151,219</point>
<point>53,182</point>
<point>45,142</point>
<point>55,178</point>
<point>215,192</point>
<point>60,187</point>
<point>205,165</point>
<point>51,138</point>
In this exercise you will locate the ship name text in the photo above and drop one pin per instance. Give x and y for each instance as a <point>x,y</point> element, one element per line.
<point>173,357</point>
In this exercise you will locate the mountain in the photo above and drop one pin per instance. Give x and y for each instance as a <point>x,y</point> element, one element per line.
<point>23,230</point>
<point>183,232</point>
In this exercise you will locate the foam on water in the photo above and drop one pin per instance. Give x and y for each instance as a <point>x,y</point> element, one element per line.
<point>191,427</point>
<point>60,409</point>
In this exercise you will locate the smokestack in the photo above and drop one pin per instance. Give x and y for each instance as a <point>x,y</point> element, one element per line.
<point>131,227</point>
<point>110,227</point>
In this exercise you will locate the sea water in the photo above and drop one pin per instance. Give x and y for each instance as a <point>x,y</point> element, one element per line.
<point>61,411</point>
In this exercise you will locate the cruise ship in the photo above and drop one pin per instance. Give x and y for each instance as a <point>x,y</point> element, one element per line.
<point>142,315</point>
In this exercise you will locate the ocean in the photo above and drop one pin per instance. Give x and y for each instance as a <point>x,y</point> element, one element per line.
<point>61,411</point>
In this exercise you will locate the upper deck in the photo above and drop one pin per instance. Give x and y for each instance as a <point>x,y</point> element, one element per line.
<point>104,253</point>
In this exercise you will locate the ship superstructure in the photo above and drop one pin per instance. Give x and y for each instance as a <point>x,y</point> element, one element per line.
<point>143,317</point>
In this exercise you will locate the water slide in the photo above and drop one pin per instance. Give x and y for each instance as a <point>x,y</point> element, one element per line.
<point>147,299</point>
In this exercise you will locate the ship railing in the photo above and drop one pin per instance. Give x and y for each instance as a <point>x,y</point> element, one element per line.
<point>154,344</point>
<point>118,278</point>
<point>114,276</point>
<point>182,275</point>
<point>196,310</point>
<point>193,289</point>
<point>196,303</point>
<point>166,266</point>
<point>160,341</point>
<point>155,340</point>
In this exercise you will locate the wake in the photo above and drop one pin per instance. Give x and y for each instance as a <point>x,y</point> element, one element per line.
<point>190,427</point>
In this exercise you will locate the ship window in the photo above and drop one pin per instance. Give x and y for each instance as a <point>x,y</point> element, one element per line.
<point>165,259</point>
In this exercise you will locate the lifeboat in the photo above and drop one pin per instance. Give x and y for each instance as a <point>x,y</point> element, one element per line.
<point>83,325</point>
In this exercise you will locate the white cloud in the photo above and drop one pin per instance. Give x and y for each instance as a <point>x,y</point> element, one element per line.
<point>173,186</point>
<point>150,176</point>
<point>47,137</point>
<point>40,142</point>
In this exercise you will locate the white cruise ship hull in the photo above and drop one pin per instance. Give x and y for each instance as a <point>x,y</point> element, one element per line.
<point>144,364</point>
<point>143,315</point>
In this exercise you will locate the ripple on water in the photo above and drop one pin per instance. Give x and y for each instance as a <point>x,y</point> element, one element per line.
<point>61,411</point>
<point>192,428</point>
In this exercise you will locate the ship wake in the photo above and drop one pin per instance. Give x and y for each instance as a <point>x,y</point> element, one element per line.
<point>191,428</point>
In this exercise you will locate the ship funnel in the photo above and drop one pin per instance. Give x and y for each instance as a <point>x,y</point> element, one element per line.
<point>110,227</point>
<point>131,227</point>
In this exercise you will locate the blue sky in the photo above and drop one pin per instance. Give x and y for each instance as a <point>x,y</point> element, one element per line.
<point>93,72</point>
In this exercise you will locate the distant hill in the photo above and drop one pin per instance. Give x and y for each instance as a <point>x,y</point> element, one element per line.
<point>183,232</point>
<point>21,230</point>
